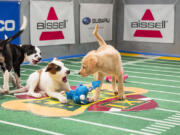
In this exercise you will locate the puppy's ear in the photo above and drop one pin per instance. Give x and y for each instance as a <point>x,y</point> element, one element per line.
<point>29,49</point>
<point>51,68</point>
<point>93,62</point>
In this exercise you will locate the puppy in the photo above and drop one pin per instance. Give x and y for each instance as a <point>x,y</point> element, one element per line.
<point>50,80</point>
<point>12,56</point>
<point>106,60</point>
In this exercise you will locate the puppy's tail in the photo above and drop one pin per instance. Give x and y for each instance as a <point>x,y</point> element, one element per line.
<point>98,37</point>
<point>18,90</point>
<point>18,33</point>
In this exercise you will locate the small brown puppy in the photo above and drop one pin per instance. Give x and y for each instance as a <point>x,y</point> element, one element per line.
<point>106,60</point>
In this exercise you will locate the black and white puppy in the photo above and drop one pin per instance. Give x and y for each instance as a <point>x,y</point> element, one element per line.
<point>12,56</point>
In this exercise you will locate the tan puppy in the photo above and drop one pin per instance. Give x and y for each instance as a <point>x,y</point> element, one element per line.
<point>106,60</point>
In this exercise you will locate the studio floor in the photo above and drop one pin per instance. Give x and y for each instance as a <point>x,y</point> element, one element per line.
<point>156,79</point>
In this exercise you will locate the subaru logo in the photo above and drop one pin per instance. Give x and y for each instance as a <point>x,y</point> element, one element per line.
<point>86,20</point>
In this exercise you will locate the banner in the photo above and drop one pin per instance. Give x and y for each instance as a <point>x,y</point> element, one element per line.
<point>92,14</point>
<point>52,23</point>
<point>149,23</point>
<point>10,20</point>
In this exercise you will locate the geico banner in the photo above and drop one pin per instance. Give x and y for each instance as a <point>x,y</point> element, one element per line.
<point>149,23</point>
<point>92,14</point>
<point>10,19</point>
<point>52,23</point>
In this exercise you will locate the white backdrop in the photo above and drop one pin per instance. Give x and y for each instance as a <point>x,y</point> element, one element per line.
<point>52,23</point>
<point>90,15</point>
<point>149,23</point>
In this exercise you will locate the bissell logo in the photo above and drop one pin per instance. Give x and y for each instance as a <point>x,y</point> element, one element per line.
<point>148,27</point>
<point>52,23</point>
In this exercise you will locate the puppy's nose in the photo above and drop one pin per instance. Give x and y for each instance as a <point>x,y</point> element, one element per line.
<point>39,59</point>
<point>79,73</point>
<point>68,72</point>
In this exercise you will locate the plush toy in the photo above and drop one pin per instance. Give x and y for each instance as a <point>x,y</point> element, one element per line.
<point>79,95</point>
<point>108,78</point>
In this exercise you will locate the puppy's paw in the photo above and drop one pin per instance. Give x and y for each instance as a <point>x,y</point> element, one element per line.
<point>19,86</point>
<point>122,97</point>
<point>63,100</point>
<point>90,100</point>
<point>2,91</point>
<point>93,99</point>
<point>36,95</point>
<point>5,91</point>
<point>115,92</point>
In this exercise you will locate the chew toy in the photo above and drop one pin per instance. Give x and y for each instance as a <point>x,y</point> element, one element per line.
<point>108,78</point>
<point>79,95</point>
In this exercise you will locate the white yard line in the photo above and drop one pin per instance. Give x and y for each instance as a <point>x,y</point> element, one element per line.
<point>157,74</point>
<point>30,128</point>
<point>152,128</point>
<point>158,91</point>
<point>149,78</point>
<point>141,60</point>
<point>158,64</point>
<point>159,61</point>
<point>154,84</point>
<point>158,126</point>
<point>167,110</point>
<point>148,70</point>
<point>151,131</point>
<point>174,118</point>
<point>166,125</point>
<point>173,101</point>
<point>143,118</point>
<point>158,67</point>
<point>170,120</point>
<point>108,126</point>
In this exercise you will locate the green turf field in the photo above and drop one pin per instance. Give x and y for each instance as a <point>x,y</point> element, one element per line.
<point>159,76</point>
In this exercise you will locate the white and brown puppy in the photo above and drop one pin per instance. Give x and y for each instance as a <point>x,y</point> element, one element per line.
<point>12,56</point>
<point>50,80</point>
<point>106,60</point>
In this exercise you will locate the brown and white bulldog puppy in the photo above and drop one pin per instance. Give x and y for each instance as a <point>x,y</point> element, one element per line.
<point>50,80</point>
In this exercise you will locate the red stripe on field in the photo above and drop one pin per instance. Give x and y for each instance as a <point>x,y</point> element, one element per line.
<point>51,35</point>
<point>148,33</point>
